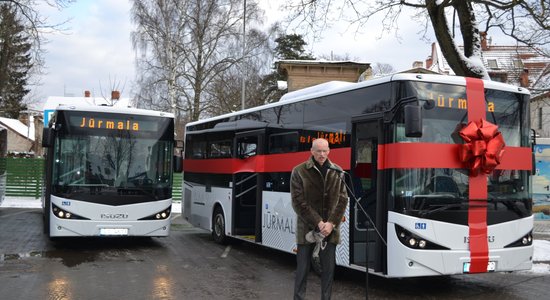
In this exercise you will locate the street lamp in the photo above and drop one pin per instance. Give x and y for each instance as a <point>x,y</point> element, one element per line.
<point>244,51</point>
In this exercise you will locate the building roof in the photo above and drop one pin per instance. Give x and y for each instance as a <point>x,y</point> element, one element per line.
<point>321,62</point>
<point>19,127</point>
<point>54,101</point>
<point>508,60</point>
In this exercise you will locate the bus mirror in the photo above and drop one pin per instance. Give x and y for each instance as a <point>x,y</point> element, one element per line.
<point>48,135</point>
<point>413,121</point>
<point>178,164</point>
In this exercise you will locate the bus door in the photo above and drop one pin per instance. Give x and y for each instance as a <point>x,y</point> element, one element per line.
<point>366,131</point>
<point>247,185</point>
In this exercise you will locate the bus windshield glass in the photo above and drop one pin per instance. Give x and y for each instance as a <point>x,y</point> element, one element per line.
<point>112,159</point>
<point>436,193</point>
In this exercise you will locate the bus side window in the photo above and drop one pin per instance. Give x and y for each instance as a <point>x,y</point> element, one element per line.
<point>283,142</point>
<point>198,150</point>
<point>220,149</point>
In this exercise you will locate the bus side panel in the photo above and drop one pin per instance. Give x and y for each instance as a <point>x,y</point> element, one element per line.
<point>278,221</point>
<point>199,206</point>
<point>279,226</point>
<point>343,249</point>
<point>406,262</point>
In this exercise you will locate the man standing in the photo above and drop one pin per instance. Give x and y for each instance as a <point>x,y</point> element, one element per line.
<point>319,198</point>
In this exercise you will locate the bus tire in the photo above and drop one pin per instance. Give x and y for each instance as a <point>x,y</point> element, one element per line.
<point>218,226</point>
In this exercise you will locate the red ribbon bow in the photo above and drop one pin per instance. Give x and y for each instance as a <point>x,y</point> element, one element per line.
<point>483,148</point>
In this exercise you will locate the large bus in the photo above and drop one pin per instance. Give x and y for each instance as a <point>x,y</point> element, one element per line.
<point>438,170</point>
<point>108,172</point>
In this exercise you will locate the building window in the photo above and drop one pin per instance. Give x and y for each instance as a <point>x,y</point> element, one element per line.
<point>499,77</point>
<point>518,63</point>
<point>539,117</point>
<point>492,63</point>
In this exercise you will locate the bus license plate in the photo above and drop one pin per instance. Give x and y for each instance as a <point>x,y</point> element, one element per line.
<point>491,266</point>
<point>113,231</point>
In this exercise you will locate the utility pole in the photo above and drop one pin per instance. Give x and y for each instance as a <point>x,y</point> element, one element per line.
<point>243,96</point>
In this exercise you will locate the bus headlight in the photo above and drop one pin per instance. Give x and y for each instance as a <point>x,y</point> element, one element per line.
<point>422,244</point>
<point>414,241</point>
<point>161,215</point>
<point>526,240</point>
<point>63,214</point>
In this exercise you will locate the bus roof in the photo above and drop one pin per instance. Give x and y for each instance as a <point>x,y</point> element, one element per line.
<point>331,88</point>
<point>111,109</point>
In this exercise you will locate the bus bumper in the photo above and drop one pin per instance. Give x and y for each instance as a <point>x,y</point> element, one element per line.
<point>69,228</point>
<point>403,261</point>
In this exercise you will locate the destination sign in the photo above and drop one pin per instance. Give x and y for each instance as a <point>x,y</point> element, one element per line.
<point>112,123</point>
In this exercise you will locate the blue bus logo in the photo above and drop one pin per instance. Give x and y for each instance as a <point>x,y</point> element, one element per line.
<point>419,225</point>
<point>66,203</point>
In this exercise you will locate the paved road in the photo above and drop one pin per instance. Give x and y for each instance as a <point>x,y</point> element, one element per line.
<point>189,265</point>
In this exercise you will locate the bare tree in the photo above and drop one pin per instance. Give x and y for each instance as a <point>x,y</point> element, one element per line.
<point>183,46</point>
<point>225,91</point>
<point>36,27</point>
<point>160,30</point>
<point>382,69</point>
<point>528,22</point>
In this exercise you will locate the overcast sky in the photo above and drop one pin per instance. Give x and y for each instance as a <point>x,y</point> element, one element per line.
<point>96,52</point>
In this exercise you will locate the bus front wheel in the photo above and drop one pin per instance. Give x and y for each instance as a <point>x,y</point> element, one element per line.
<point>218,226</point>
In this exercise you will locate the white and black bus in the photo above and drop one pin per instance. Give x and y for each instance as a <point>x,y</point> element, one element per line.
<point>437,205</point>
<point>108,172</point>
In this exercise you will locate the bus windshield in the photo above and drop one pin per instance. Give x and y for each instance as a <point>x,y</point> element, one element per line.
<point>434,192</point>
<point>113,167</point>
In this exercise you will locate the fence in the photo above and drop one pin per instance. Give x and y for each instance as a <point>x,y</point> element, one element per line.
<point>24,176</point>
<point>177,182</point>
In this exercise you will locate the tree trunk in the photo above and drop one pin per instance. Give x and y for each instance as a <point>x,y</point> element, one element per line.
<point>470,34</point>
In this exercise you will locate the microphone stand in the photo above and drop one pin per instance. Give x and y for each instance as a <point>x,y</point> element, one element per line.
<point>367,224</point>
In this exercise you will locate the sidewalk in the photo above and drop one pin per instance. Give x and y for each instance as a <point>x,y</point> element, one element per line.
<point>541,230</point>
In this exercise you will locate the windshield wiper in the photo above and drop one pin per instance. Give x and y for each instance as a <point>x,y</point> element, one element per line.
<point>425,213</point>
<point>511,204</point>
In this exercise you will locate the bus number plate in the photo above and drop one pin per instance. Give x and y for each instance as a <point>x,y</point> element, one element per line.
<point>113,231</point>
<point>491,266</point>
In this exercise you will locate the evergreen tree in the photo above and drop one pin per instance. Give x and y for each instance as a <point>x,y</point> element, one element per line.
<point>289,46</point>
<point>15,62</point>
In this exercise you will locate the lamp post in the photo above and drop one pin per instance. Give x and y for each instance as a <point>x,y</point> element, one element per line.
<point>243,96</point>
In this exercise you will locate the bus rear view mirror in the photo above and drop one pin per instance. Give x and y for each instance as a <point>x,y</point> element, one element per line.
<point>48,135</point>
<point>413,121</point>
<point>178,164</point>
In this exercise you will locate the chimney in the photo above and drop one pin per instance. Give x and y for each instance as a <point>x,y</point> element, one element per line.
<point>418,64</point>
<point>87,94</point>
<point>524,78</point>
<point>115,95</point>
<point>429,62</point>
<point>24,117</point>
<point>484,46</point>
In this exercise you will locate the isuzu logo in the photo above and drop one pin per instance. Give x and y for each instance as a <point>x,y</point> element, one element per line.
<point>114,216</point>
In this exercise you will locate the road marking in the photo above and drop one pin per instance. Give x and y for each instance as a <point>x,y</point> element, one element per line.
<point>226,251</point>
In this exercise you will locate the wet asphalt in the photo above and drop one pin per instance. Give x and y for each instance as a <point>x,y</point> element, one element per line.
<point>189,265</point>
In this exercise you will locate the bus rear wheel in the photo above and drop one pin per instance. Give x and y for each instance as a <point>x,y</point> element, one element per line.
<point>218,226</point>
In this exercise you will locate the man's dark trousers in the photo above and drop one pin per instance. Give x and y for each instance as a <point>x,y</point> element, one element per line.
<point>303,259</point>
